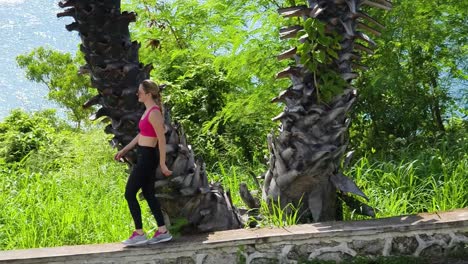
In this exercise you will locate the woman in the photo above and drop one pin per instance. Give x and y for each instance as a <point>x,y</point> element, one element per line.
<point>149,142</point>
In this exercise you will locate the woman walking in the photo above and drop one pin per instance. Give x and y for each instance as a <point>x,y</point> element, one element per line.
<point>151,150</point>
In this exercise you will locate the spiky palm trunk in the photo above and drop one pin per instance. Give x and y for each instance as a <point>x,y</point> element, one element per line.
<point>112,61</point>
<point>306,156</point>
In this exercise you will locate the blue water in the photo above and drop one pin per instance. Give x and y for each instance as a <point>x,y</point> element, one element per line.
<point>25,25</point>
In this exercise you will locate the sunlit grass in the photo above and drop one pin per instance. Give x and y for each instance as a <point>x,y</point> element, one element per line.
<point>412,187</point>
<point>231,176</point>
<point>433,181</point>
<point>71,192</point>
<point>278,216</point>
<point>73,198</point>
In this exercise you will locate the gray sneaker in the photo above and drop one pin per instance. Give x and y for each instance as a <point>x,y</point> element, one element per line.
<point>135,239</point>
<point>160,237</point>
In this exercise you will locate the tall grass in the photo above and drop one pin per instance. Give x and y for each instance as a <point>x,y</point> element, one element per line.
<point>275,215</point>
<point>71,192</point>
<point>73,196</point>
<point>231,176</point>
<point>413,186</point>
<point>432,180</point>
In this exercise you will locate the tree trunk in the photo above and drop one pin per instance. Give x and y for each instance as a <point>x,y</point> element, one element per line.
<point>112,61</point>
<point>306,154</point>
<point>435,104</point>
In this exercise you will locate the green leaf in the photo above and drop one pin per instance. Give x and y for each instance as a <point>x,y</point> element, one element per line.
<point>319,56</point>
<point>332,53</point>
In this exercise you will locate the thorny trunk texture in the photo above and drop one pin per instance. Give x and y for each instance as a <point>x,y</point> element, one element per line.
<point>113,63</point>
<point>306,157</point>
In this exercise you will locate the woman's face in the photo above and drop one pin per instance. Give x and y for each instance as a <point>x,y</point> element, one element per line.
<point>142,95</point>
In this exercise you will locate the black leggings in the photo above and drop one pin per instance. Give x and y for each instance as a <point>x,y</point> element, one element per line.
<point>143,176</point>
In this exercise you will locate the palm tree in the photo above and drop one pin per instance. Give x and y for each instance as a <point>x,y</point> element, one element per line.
<point>113,63</point>
<point>306,156</point>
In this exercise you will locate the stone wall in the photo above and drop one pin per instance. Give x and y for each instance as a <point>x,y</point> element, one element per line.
<point>423,235</point>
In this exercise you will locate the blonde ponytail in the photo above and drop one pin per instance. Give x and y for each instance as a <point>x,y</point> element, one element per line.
<point>151,87</point>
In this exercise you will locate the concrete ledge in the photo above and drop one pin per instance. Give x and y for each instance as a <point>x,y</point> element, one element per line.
<point>417,235</point>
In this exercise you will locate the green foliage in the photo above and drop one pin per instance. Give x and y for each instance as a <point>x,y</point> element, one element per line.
<point>435,179</point>
<point>68,192</point>
<point>321,48</point>
<point>230,177</point>
<point>274,214</point>
<point>197,94</point>
<point>21,133</point>
<point>241,128</point>
<point>317,55</point>
<point>59,71</point>
<point>226,51</point>
<point>210,52</point>
<point>416,76</point>
<point>176,226</point>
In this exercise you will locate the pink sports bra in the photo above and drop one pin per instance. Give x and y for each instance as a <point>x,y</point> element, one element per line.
<point>146,129</point>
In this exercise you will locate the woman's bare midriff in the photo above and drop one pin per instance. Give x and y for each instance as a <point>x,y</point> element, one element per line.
<point>145,141</point>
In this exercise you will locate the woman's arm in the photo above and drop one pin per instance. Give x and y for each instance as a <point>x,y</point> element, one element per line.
<point>129,146</point>
<point>157,121</point>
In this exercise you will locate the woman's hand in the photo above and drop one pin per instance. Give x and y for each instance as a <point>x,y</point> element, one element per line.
<point>120,155</point>
<point>165,171</point>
